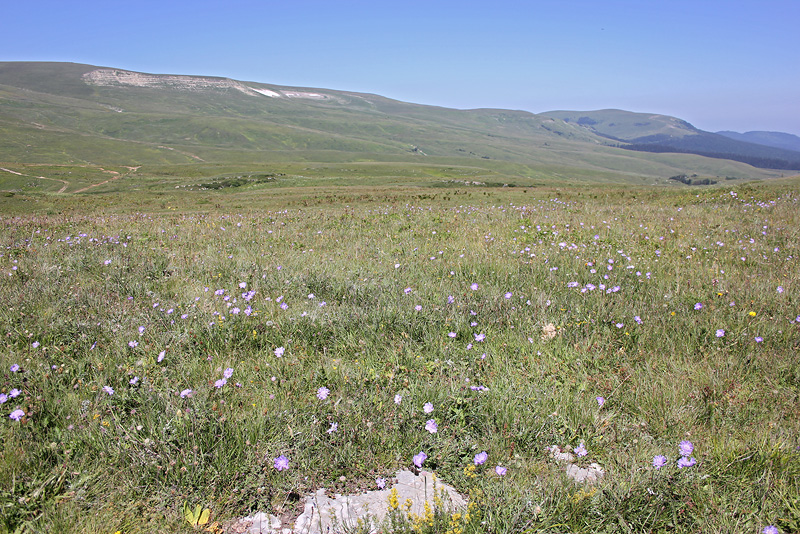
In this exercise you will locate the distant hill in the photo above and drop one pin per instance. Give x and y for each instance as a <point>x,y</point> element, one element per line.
<point>774,139</point>
<point>68,113</point>
<point>661,133</point>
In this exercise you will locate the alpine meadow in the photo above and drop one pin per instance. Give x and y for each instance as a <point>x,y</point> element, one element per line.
<point>221,297</point>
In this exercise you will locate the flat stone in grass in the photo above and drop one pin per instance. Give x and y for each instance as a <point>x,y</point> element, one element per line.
<point>342,513</point>
<point>589,474</point>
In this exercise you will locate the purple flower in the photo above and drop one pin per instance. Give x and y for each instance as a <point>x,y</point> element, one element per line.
<point>14,368</point>
<point>686,462</point>
<point>133,344</point>
<point>380,482</point>
<point>279,351</point>
<point>720,332</point>
<point>322,393</point>
<point>450,299</point>
<point>185,393</point>
<point>407,291</point>
<point>431,426</point>
<point>452,334</point>
<point>161,356</point>
<point>770,529</point>
<point>35,344</point>
<point>637,319</point>
<point>780,289</point>
<point>480,337</point>
<point>659,461</point>
<point>474,287</point>
<point>698,306</point>
<point>686,448</point>
<point>580,450</point>
<point>759,339</point>
<point>227,373</point>
<point>3,398</point>
<point>17,414</point>
<point>284,306</point>
<point>281,462</point>
<point>221,382</point>
<point>420,458</point>
<point>427,407</point>
<point>418,308</point>
<point>14,393</point>
<point>133,381</point>
<point>334,427</point>
<point>141,330</point>
<point>108,389</point>
<point>481,458</point>
<point>500,470</point>
<point>600,401</point>
<point>508,295</point>
<point>398,399</point>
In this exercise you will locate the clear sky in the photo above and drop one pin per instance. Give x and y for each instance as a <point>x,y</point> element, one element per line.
<point>719,64</point>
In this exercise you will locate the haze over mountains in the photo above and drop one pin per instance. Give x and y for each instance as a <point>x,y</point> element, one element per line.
<point>73,113</point>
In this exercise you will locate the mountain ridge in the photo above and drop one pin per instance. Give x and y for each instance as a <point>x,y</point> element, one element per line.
<point>51,112</point>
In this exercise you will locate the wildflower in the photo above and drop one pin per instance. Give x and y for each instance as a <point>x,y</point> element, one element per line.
<point>133,344</point>
<point>752,314</point>
<point>419,459</point>
<point>17,414</point>
<point>35,344</point>
<point>141,330</point>
<point>619,325</point>
<point>474,287</point>
<point>686,448</point>
<point>580,450</point>
<point>281,462</point>
<point>686,462</point>
<point>133,381</point>
<point>322,393</point>
<point>508,295</point>
<point>107,262</point>
<point>398,399</point>
<point>770,529</point>
<point>3,398</point>
<point>480,337</point>
<point>427,407</point>
<point>185,393</point>
<point>500,470</point>
<point>108,389</point>
<point>279,351</point>
<point>380,482</point>
<point>14,368</point>
<point>450,299</point>
<point>759,339</point>
<point>418,308</point>
<point>284,306</point>
<point>161,356</point>
<point>407,291</point>
<point>659,461</point>
<point>228,372</point>
<point>780,289</point>
<point>600,401</point>
<point>14,393</point>
<point>431,426</point>
<point>221,382</point>
<point>720,333</point>
<point>637,319</point>
<point>481,458</point>
<point>242,285</point>
<point>698,306</point>
<point>334,427</point>
<point>451,334</point>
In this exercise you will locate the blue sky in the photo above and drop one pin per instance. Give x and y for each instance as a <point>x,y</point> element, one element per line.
<point>731,64</point>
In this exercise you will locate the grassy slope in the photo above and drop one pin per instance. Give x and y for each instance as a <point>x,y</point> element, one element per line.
<point>83,125</point>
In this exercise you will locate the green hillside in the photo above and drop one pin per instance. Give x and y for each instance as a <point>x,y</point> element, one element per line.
<point>86,116</point>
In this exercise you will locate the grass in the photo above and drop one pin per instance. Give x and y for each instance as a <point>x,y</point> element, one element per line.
<point>142,292</point>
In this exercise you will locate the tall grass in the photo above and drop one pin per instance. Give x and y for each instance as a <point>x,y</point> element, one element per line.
<point>681,312</point>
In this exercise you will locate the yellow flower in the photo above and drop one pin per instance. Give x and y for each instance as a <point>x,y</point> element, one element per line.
<point>752,314</point>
